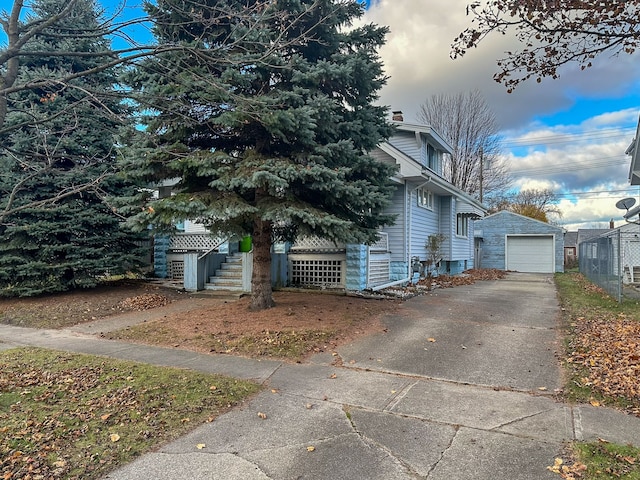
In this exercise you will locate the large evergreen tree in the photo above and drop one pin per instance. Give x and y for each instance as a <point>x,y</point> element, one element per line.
<point>57,137</point>
<point>266,120</point>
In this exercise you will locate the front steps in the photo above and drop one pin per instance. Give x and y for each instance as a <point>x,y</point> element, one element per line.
<point>228,276</point>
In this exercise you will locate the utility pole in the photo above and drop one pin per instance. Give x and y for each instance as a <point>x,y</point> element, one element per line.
<point>481,171</point>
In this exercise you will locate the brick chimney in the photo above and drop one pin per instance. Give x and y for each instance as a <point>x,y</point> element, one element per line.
<point>397,116</point>
<point>611,224</point>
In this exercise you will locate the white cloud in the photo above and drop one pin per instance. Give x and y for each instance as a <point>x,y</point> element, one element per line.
<point>417,59</point>
<point>592,212</point>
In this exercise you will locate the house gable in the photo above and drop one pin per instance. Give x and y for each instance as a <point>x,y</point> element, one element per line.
<point>422,144</point>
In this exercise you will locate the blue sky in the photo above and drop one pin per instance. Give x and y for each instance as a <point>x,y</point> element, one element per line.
<point>568,135</point>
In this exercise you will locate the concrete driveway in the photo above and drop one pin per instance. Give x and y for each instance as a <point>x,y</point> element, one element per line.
<point>496,333</point>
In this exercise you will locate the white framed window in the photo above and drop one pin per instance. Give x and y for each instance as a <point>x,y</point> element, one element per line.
<point>425,198</point>
<point>432,158</point>
<point>462,226</point>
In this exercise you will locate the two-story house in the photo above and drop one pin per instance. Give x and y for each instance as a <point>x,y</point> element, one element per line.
<point>424,203</point>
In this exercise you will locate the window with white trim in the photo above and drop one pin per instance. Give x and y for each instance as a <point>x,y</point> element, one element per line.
<point>462,225</point>
<point>425,198</point>
<point>432,158</point>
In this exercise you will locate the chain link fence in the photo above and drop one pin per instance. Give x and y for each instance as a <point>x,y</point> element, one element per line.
<point>612,261</point>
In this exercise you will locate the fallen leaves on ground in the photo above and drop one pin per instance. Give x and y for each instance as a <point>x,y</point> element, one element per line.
<point>300,324</point>
<point>468,277</point>
<point>607,347</point>
<point>568,472</point>
<point>70,308</point>
<point>68,416</point>
<point>144,302</point>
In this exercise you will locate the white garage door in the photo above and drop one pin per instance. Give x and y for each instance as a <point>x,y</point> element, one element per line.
<point>530,254</point>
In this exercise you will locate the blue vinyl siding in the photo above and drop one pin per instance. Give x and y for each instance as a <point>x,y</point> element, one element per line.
<point>424,222</point>
<point>397,231</point>
<point>447,228</point>
<point>494,229</point>
<point>460,245</point>
<point>406,143</point>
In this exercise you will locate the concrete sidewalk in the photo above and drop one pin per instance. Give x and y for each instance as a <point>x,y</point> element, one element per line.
<point>478,403</point>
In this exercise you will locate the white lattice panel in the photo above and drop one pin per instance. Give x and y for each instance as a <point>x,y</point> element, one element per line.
<point>318,273</point>
<point>317,244</point>
<point>176,270</point>
<point>194,241</point>
<point>382,245</point>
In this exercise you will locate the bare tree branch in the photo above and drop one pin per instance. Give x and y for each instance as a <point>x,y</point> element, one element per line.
<point>465,120</point>
<point>552,33</point>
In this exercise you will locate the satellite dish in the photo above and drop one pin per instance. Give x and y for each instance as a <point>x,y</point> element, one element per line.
<point>632,213</point>
<point>625,203</point>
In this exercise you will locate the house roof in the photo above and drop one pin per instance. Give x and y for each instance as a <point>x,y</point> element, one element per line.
<point>411,169</point>
<point>634,151</point>
<point>571,239</point>
<point>507,212</point>
<point>587,233</point>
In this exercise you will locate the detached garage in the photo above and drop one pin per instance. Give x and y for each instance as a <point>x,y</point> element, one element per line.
<point>508,241</point>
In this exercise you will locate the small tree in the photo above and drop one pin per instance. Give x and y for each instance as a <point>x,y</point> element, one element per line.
<point>433,245</point>
<point>539,204</point>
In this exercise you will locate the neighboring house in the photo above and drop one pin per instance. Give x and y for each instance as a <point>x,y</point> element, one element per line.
<point>585,234</point>
<point>573,239</point>
<point>570,248</point>
<point>634,151</point>
<point>629,235</point>
<point>613,253</point>
<point>423,202</point>
<point>509,241</point>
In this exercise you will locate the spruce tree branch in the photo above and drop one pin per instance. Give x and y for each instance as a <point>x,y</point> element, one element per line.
<point>8,211</point>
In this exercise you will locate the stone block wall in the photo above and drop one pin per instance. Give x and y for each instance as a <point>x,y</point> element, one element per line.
<point>160,248</point>
<point>357,260</point>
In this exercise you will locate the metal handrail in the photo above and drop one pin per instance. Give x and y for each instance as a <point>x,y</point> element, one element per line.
<point>213,248</point>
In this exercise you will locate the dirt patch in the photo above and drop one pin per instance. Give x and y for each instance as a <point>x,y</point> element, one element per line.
<point>71,308</point>
<point>301,323</point>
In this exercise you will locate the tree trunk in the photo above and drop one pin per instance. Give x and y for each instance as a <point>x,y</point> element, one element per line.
<point>261,292</point>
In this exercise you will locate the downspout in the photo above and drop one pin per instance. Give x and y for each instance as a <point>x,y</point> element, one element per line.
<point>390,284</point>
<point>454,227</point>
<point>408,220</point>
<point>407,225</point>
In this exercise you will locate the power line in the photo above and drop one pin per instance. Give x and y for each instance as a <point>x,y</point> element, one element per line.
<point>573,137</point>
<point>585,194</point>
<point>568,167</point>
